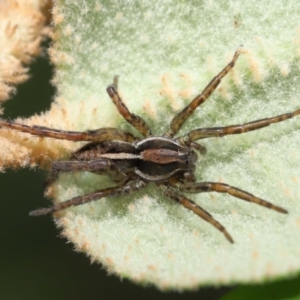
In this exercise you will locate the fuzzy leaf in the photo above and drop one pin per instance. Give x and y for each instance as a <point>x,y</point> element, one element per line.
<point>165,53</point>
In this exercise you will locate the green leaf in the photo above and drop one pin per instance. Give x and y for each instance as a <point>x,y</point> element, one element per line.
<point>281,290</point>
<point>165,53</point>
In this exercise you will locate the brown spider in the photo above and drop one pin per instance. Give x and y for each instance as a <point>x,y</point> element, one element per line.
<point>132,163</point>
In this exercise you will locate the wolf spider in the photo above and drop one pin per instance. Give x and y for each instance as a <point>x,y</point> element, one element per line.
<point>133,163</point>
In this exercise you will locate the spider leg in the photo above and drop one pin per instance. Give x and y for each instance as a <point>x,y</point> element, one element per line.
<point>134,120</point>
<point>201,187</point>
<point>191,205</point>
<point>198,147</point>
<point>70,166</point>
<point>109,192</point>
<point>98,135</point>
<point>98,166</point>
<point>183,115</point>
<point>202,133</point>
<point>75,165</point>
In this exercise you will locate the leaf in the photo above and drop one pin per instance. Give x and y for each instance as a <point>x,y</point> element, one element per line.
<point>287,290</point>
<point>165,53</point>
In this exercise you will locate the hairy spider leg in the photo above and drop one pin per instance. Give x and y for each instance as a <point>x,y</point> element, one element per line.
<point>116,82</point>
<point>202,133</point>
<point>198,147</point>
<point>97,195</point>
<point>183,115</point>
<point>201,187</point>
<point>191,205</point>
<point>98,166</point>
<point>98,135</point>
<point>134,120</point>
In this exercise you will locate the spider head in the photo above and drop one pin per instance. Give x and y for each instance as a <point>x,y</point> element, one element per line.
<point>162,158</point>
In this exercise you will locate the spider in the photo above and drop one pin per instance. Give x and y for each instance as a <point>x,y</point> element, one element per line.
<point>133,163</point>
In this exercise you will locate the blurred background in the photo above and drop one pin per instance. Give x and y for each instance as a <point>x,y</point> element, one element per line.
<point>35,262</point>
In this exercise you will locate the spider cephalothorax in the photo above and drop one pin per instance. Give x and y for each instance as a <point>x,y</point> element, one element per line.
<point>132,163</point>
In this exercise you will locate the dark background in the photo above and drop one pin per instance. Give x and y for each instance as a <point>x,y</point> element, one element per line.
<point>35,263</point>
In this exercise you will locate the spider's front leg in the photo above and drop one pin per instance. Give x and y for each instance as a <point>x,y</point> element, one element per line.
<point>125,189</point>
<point>202,133</point>
<point>191,205</point>
<point>182,116</point>
<point>201,187</point>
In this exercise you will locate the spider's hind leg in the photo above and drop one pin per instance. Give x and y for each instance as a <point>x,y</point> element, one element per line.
<point>101,134</point>
<point>53,176</point>
<point>97,166</point>
<point>109,192</point>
